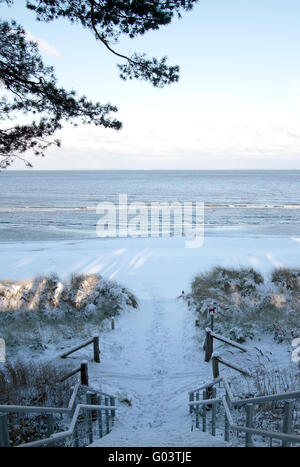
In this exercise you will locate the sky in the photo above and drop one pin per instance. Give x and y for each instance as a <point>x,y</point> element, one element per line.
<point>236,106</point>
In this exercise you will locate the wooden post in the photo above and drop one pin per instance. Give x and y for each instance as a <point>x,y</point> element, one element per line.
<point>209,392</point>
<point>89,421</point>
<point>215,366</point>
<point>270,442</point>
<point>197,410</point>
<point>94,402</point>
<point>107,415</point>
<point>208,345</point>
<point>213,413</point>
<point>100,418</point>
<point>96,349</point>
<point>112,324</point>
<point>76,437</point>
<point>209,395</point>
<point>204,413</point>
<point>84,373</point>
<point>249,424</point>
<point>113,404</point>
<point>212,322</point>
<point>4,436</point>
<point>211,344</point>
<point>226,430</point>
<point>191,397</point>
<point>287,420</point>
<point>50,424</point>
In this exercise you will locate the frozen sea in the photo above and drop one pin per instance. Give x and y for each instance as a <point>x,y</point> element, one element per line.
<point>61,205</point>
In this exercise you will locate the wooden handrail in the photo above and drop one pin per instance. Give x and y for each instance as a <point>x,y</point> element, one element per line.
<point>228,401</point>
<point>271,434</point>
<point>209,344</point>
<point>72,373</point>
<point>41,409</point>
<point>255,400</point>
<point>216,359</point>
<point>228,341</point>
<point>66,434</point>
<point>83,370</point>
<point>94,341</point>
<point>109,407</point>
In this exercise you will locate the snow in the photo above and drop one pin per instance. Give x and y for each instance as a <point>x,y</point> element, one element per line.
<point>154,356</point>
<point>136,262</point>
<point>148,438</point>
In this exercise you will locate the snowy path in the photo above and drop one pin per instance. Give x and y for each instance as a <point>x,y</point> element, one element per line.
<point>152,359</point>
<point>150,438</point>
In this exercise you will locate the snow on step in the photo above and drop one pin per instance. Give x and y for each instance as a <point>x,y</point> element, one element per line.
<point>151,438</point>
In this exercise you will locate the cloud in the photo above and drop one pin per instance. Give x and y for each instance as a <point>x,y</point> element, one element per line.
<point>183,138</point>
<point>223,132</point>
<point>43,45</point>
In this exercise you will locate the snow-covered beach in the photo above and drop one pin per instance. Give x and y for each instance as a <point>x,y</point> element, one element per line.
<point>144,263</point>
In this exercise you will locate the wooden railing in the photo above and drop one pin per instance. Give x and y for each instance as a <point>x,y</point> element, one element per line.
<point>200,409</point>
<point>83,370</point>
<point>216,359</point>
<point>211,402</point>
<point>94,341</point>
<point>89,421</point>
<point>86,426</point>
<point>98,403</point>
<point>209,343</point>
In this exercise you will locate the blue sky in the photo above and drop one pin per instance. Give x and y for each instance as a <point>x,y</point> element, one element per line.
<point>237,104</point>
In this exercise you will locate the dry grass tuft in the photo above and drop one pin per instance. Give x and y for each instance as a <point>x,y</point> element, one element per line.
<point>247,304</point>
<point>287,279</point>
<point>35,384</point>
<point>266,381</point>
<point>46,309</point>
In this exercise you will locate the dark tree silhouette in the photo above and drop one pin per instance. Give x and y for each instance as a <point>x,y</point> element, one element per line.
<point>29,87</point>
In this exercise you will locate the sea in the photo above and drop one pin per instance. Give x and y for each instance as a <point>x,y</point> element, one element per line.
<point>62,205</point>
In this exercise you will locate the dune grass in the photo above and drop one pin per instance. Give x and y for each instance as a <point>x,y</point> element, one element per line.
<point>35,384</point>
<point>265,381</point>
<point>248,303</point>
<point>46,310</point>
